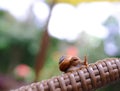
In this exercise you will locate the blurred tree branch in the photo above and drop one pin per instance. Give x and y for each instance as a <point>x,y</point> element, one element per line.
<point>41,56</point>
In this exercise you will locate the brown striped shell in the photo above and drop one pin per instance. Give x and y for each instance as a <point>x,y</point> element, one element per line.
<point>70,63</point>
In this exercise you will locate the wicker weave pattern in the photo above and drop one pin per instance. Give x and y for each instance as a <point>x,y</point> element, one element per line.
<point>90,78</point>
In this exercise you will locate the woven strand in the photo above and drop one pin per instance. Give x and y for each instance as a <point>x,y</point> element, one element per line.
<point>90,78</point>
<point>92,75</point>
<point>73,82</point>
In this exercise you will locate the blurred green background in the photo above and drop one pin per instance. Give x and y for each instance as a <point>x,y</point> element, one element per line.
<point>30,47</point>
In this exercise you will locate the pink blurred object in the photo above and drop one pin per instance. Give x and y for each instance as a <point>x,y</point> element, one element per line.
<point>22,70</point>
<point>72,51</point>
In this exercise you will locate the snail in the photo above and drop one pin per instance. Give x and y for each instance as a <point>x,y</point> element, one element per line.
<point>71,63</point>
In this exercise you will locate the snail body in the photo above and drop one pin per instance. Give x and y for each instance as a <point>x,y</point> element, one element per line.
<point>71,63</point>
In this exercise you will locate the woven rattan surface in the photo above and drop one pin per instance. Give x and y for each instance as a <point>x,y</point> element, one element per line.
<point>96,75</point>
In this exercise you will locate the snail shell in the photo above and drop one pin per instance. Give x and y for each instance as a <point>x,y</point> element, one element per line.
<point>70,63</point>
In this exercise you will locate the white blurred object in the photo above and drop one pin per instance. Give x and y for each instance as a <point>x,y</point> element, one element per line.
<point>18,8</point>
<point>41,10</point>
<point>67,21</point>
<point>95,12</point>
<point>63,22</point>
